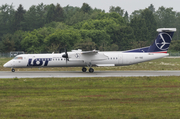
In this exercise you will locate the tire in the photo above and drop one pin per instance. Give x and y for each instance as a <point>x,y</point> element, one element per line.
<point>13,70</point>
<point>84,69</point>
<point>91,70</point>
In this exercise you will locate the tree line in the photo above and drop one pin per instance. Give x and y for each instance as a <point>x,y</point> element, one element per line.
<point>52,28</point>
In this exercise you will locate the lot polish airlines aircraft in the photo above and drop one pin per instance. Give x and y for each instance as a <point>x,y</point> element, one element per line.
<point>79,58</point>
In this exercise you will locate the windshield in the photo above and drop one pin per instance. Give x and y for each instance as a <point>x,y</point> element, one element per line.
<point>18,58</point>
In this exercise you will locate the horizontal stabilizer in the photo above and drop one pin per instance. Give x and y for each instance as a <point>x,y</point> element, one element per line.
<point>166,30</point>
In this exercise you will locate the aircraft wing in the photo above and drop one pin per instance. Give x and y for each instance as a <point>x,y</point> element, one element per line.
<point>90,52</point>
<point>93,56</point>
<point>87,56</point>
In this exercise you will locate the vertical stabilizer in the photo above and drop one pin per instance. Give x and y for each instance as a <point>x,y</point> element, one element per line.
<point>163,40</point>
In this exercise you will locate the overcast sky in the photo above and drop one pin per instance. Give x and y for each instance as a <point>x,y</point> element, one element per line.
<point>127,5</point>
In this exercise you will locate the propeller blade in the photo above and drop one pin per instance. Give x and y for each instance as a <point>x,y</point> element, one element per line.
<point>65,56</point>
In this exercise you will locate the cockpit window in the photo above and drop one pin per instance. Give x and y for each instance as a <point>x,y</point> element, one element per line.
<point>18,58</point>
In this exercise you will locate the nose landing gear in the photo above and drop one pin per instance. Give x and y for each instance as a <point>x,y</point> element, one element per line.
<point>13,70</point>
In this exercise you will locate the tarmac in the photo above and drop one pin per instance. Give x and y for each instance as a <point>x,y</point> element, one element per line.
<point>70,74</point>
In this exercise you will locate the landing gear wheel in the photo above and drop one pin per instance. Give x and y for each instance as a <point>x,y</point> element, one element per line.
<point>84,69</point>
<point>13,70</point>
<point>91,70</point>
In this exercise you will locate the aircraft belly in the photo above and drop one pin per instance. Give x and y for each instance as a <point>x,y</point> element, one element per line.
<point>105,63</point>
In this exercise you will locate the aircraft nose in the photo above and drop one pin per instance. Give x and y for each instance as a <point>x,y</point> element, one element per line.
<point>6,65</point>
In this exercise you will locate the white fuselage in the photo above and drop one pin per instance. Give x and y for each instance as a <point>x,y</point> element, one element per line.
<point>76,59</point>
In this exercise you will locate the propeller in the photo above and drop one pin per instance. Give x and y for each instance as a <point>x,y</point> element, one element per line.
<point>65,56</point>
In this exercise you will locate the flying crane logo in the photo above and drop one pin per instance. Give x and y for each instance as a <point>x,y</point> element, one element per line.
<point>163,41</point>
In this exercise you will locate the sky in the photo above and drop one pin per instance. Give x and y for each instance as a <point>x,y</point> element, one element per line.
<point>127,5</point>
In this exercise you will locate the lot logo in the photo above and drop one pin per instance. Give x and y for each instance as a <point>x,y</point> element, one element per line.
<point>39,62</point>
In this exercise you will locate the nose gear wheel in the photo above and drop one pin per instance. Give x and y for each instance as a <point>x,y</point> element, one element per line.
<point>13,70</point>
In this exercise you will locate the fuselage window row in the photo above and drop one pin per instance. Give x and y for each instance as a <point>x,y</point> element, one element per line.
<point>113,58</point>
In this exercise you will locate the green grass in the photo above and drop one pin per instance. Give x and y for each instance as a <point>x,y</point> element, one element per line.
<point>159,64</point>
<point>91,98</point>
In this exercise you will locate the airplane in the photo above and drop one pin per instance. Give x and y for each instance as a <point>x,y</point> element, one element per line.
<point>95,58</point>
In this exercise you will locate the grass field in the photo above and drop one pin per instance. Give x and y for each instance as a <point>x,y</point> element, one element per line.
<point>159,64</point>
<point>90,98</point>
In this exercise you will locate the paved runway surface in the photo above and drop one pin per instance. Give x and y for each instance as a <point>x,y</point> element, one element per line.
<point>45,74</point>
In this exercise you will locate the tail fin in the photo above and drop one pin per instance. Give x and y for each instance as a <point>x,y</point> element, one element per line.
<point>161,43</point>
<point>163,40</point>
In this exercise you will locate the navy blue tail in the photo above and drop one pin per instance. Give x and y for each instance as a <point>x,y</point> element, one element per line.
<point>161,43</point>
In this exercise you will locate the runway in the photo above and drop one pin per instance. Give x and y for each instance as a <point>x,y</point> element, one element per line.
<point>67,74</point>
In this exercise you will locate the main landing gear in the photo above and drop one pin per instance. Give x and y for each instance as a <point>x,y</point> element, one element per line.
<point>13,70</point>
<point>91,70</point>
<point>84,69</point>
